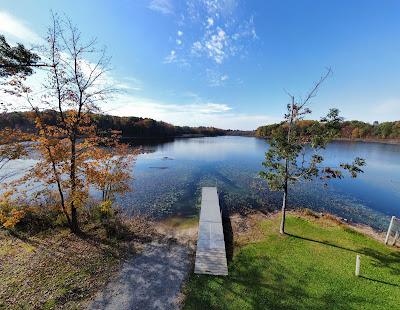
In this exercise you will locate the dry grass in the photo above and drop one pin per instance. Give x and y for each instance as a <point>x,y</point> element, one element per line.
<point>58,270</point>
<point>246,228</point>
<point>182,230</point>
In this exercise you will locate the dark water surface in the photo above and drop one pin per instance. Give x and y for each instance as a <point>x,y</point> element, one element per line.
<point>168,180</point>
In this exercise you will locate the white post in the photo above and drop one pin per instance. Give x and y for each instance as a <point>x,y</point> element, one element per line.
<point>357,265</point>
<point>389,229</point>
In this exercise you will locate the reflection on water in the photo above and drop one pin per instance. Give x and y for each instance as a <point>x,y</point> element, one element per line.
<point>168,180</point>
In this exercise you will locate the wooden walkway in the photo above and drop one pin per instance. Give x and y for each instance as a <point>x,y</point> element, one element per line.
<point>210,253</point>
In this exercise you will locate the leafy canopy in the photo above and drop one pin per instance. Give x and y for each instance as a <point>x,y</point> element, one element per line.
<point>16,59</point>
<point>295,149</point>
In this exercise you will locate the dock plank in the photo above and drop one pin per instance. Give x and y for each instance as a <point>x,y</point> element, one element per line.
<point>210,253</point>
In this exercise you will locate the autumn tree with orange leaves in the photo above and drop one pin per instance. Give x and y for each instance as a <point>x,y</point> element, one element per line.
<point>16,62</point>
<point>74,156</point>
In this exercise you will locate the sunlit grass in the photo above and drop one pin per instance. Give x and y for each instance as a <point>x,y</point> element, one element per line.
<point>312,267</point>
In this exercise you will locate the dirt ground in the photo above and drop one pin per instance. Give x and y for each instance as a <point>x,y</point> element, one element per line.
<point>152,279</point>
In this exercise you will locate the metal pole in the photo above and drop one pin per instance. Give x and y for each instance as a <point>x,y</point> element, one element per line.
<point>389,229</point>
<point>357,265</point>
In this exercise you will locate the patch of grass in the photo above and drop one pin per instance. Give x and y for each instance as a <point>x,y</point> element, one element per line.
<point>182,222</point>
<point>312,267</point>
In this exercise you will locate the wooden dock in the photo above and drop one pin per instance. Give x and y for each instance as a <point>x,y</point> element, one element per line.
<point>210,253</point>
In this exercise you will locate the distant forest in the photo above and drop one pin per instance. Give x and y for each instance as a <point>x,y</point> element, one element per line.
<point>348,130</point>
<point>130,127</point>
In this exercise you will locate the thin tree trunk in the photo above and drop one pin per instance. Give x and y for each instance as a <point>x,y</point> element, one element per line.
<point>60,192</point>
<point>74,212</point>
<point>74,220</point>
<point>283,219</point>
<point>286,177</point>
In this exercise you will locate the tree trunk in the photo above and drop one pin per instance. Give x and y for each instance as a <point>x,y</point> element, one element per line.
<point>286,176</point>
<point>74,212</point>
<point>282,227</point>
<point>74,220</point>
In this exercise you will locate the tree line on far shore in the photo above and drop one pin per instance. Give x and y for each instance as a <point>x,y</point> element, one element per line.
<point>348,129</point>
<point>130,127</point>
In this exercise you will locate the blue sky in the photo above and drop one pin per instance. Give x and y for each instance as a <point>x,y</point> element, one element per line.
<point>227,63</point>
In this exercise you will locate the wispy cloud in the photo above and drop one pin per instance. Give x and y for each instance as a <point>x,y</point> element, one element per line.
<point>170,58</point>
<point>387,107</point>
<point>221,42</point>
<point>163,6</point>
<point>126,83</point>
<point>199,113</point>
<point>17,29</point>
<point>216,45</point>
<point>217,32</point>
<point>215,78</point>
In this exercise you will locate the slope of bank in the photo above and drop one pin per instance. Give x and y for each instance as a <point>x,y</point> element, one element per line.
<point>311,267</point>
<point>54,269</point>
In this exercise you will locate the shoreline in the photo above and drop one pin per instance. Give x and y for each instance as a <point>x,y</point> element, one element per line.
<point>372,140</point>
<point>170,247</point>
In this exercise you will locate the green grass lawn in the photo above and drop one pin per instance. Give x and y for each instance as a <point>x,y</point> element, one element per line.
<point>310,268</point>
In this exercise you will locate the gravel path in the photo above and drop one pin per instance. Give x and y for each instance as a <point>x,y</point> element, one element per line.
<point>151,280</point>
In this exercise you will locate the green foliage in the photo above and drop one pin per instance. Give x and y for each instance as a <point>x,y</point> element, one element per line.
<point>347,130</point>
<point>130,127</point>
<point>312,267</point>
<point>294,154</point>
<point>294,148</point>
<point>16,60</point>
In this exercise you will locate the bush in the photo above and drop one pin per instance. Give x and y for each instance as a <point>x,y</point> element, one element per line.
<point>10,213</point>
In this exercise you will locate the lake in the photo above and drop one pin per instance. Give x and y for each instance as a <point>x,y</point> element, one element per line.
<point>169,178</point>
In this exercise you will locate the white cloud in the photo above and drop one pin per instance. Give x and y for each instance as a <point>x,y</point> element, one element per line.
<point>224,77</point>
<point>388,107</point>
<point>17,29</point>
<point>163,6</point>
<point>216,44</point>
<point>197,48</point>
<point>219,8</point>
<point>220,31</point>
<point>210,22</point>
<point>179,42</point>
<point>201,113</point>
<point>246,29</point>
<point>125,84</point>
<point>215,78</point>
<point>170,58</point>
<point>179,33</point>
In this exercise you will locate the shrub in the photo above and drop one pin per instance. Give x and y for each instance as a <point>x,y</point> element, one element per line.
<point>10,214</point>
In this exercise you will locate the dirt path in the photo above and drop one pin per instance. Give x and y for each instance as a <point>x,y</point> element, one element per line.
<point>150,280</point>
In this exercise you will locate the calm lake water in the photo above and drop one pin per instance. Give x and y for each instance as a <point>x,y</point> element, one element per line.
<point>168,180</point>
